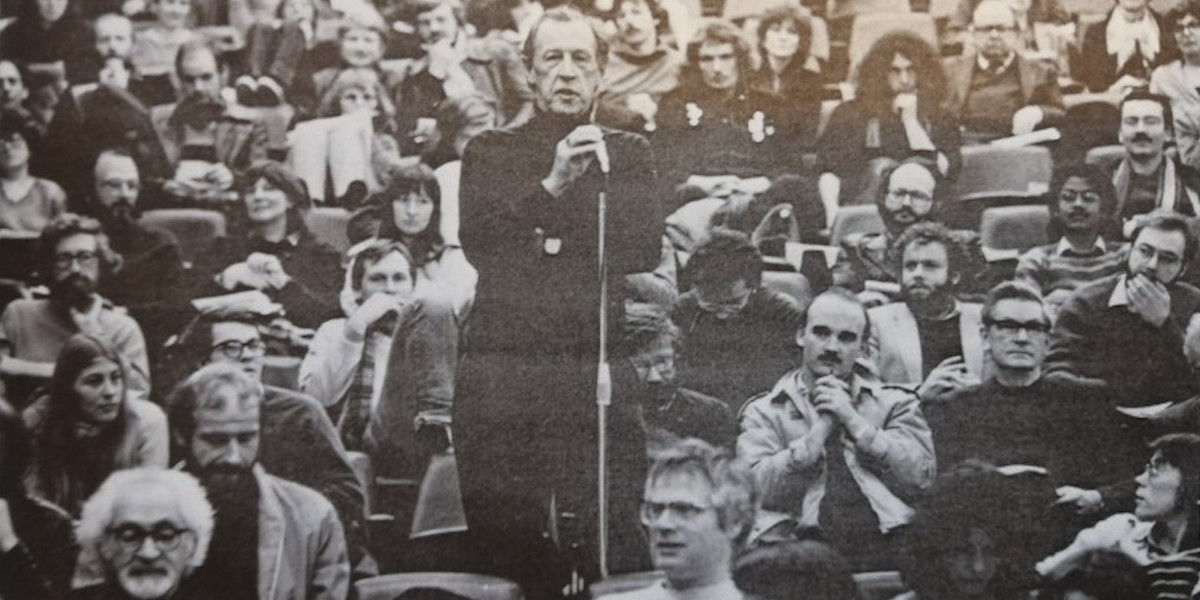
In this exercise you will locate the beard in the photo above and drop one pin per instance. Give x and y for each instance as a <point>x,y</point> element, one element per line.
<point>232,490</point>
<point>925,293</point>
<point>74,291</point>
<point>119,217</point>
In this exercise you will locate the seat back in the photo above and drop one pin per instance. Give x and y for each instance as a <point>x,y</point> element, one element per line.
<point>475,587</point>
<point>789,283</point>
<point>193,228</point>
<point>868,28</point>
<point>1014,228</point>
<point>837,9</point>
<point>1106,157</point>
<point>328,223</point>
<point>995,171</point>
<point>858,218</point>
<point>364,472</point>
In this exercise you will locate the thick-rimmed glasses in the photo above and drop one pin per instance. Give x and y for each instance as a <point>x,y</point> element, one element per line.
<point>131,537</point>
<point>1011,327</point>
<point>63,260</point>
<point>235,349</point>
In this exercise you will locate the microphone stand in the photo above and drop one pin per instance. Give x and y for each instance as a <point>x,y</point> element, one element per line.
<point>603,383</point>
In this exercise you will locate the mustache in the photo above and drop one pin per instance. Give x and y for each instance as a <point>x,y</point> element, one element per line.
<point>1141,137</point>
<point>828,355</point>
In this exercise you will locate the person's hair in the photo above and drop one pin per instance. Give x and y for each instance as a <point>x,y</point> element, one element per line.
<point>1011,290</point>
<point>15,122</point>
<point>196,393</point>
<point>402,181</point>
<point>844,295</point>
<point>974,495</point>
<point>871,80</point>
<point>373,252</point>
<point>1146,94</point>
<point>1181,10</point>
<point>362,79</point>
<point>940,190</point>
<point>58,451</point>
<point>778,571</point>
<point>563,14</point>
<point>196,46</point>
<point>287,182</point>
<point>193,345</point>
<point>657,12</point>
<point>930,232</point>
<point>712,30</point>
<point>1171,221</point>
<point>15,449</point>
<point>189,496</point>
<point>1182,451</point>
<point>644,325</point>
<point>734,495</point>
<point>362,15</point>
<point>727,255</point>
<point>411,9</point>
<point>1102,575</point>
<point>1096,179</point>
<point>782,14</point>
<point>66,225</point>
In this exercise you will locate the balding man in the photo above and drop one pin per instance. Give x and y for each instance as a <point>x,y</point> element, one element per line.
<point>997,91</point>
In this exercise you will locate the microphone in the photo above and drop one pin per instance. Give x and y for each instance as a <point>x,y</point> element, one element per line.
<point>602,156</point>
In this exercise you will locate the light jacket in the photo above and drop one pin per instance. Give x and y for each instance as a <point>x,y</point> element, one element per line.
<point>895,344</point>
<point>891,463</point>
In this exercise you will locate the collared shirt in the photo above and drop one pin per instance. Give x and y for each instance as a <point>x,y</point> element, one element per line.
<point>986,65</point>
<point>1064,248</point>
<point>1119,297</point>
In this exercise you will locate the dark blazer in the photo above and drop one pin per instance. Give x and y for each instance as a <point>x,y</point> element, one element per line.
<point>1141,364</point>
<point>1097,69</point>
<point>1039,83</point>
<point>241,140</point>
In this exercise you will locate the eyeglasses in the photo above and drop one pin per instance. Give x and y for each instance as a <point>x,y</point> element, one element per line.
<point>914,198</point>
<point>131,537</point>
<point>1011,327</point>
<point>1191,28</point>
<point>1071,196</point>
<point>651,512</point>
<point>63,260</point>
<point>990,29</point>
<point>235,349</point>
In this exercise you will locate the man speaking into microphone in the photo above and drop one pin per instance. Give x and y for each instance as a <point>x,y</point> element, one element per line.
<point>524,413</point>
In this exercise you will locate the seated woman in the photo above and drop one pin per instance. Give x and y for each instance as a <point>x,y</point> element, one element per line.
<point>89,426</point>
<point>273,251</point>
<point>360,46</point>
<point>393,355</point>
<point>27,203</point>
<point>1163,532</point>
<point>784,35</point>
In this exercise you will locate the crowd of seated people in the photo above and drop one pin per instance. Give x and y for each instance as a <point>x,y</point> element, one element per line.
<point>241,336</point>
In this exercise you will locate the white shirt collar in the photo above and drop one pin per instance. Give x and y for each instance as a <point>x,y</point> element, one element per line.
<point>1064,245</point>
<point>1118,297</point>
<point>1121,35</point>
<point>984,64</point>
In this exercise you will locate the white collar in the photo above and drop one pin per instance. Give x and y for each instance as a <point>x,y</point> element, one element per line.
<point>1064,245</point>
<point>1121,36</point>
<point>1118,297</point>
<point>984,63</point>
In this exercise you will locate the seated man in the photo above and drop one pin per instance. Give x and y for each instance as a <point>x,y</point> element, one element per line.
<point>715,121</point>
<point>833,447</point>
<point>1081,207</point>
<point>299,442</point>
<point>698,510</point>
<point>166,507</point>
<point>929,339</point>
<point>642,67</point>
<point>207,140</point>
<point>737,332</point>
<point>75,256</point>
<point>1021,415</point>
<point>273,539</point>
<point>997,91</point>
<point>1127,330</point>
<point>1118,53</point>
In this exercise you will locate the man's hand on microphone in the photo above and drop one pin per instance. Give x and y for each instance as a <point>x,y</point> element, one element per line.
<point>572,156</point>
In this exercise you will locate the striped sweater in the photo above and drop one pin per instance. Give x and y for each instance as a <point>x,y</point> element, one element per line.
<point>1174,577</point>
<point>1047,269</point>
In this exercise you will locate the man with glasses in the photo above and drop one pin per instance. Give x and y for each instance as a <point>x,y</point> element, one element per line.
<point>698,509</point>
<point>299,442</point>
<point>833,446</point>
<point>997,91</point>
<point>931,340</point>
<point>1127,330</point>
<point>144,531</point>
<point>273,539</point>
<point>76,258</point>
<point>1021,415</point>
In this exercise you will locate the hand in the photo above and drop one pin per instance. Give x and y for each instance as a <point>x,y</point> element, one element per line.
<point>905,105</point>
<point>1085,501</point>
<point>8,535</point>
<point>831,396</point>
<point>88,321</point>
<point>219,176</point>
<point>572,156</point>
<point>951,374</point>
<point>1026,119</point>
<point>268,267</point>
<point>370,311</point>
<point>1126,83</point>
<point>1148,299</point>
<point>239,275</point>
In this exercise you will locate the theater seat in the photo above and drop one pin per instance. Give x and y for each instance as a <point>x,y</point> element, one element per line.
<point>868,28</point>
<point>470,585</point>
<point>329,225</point>
<point>193,228</point>
<point>1106,157</point>
<point>789,283</point>
<point>995,172</point>
<point>860,218</point>
<point>1008,231</point>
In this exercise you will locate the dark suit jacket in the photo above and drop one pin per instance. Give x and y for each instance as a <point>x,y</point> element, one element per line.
<point>241,140</point>
<point>1141,364</point>
<point>1039,83</point>
<point>1097,69</point>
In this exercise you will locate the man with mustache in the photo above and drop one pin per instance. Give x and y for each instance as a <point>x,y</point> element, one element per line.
<point>930,340</point>
<point>150,277</point>
<point>1127,330</point>
<point>206,139</point>
<point>836,448</point>
<point>75,259</point>
<point>273,539</point>
<point>642,67</point>
<point>1148,178</point>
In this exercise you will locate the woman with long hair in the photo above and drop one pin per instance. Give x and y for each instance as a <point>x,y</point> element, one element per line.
<point>88,426</point>
<point>784,35</point>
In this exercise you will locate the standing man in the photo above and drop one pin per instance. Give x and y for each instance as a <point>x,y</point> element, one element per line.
<point>526,403</point>
<point>833,447</point>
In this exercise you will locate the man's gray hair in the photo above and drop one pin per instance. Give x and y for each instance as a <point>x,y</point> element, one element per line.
<point>734,493</point>
<point>96,517</point>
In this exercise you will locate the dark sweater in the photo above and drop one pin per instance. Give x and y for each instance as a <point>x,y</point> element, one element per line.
<point>40,566</point>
